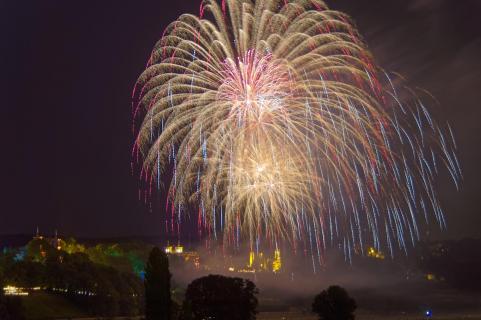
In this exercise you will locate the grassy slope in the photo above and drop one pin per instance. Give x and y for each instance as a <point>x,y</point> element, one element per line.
<point>48,306</point>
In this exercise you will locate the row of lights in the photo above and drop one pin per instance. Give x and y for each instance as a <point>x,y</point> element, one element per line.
<point>18,291</point>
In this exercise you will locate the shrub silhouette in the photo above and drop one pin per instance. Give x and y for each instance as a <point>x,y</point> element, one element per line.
<point>334,304</point>
<point>220,298</point>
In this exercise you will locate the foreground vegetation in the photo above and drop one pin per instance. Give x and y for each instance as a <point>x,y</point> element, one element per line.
<point>70,283</point>
<point>110,280</point>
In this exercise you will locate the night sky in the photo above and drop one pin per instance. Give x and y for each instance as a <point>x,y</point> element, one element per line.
<point>67,70</point>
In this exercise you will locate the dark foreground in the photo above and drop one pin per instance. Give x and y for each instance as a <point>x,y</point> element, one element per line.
<point>300,316</point>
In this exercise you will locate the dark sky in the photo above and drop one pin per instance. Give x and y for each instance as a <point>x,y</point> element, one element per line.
<point>67,69</point>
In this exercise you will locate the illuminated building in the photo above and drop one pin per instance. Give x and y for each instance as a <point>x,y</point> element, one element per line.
<point>193,257</point>
<point>15,291</point>
<point>251,259</point>
<point>373,253</point>
<point>430,277</point>
<point>277,263</point>
<point>257,262</point>
<point>37,235</point>
<point>189,256</point>
<point>262,263</point>
<point>174,249</point>
<point>55,242</point>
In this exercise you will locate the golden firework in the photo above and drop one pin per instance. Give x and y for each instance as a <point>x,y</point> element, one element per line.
<point>277,124</point>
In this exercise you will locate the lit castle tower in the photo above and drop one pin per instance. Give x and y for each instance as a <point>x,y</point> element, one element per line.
<point>37,234</point>
<point>191,257</point>
<point>277,263</point>
<point>259,262</point>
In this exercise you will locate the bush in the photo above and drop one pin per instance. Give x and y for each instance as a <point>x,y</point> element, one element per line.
<point>334,304</point>
<point>219,297</point>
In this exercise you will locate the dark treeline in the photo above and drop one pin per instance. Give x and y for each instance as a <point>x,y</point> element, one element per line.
<point>98,289</point>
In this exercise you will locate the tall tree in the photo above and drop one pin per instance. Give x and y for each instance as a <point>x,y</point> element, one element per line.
<point>158,302</point>
<point>219,297</point>
<point>334,304</point>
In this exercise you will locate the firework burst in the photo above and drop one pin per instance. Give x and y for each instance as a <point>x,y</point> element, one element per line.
<point>278,125</point>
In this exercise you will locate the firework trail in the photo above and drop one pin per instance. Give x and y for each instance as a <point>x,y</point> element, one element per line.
<point>277,125</point>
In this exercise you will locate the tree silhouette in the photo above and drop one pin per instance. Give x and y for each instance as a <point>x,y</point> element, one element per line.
<point>218,297</point>
<point>334,304</point>
<point>158,303</point>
